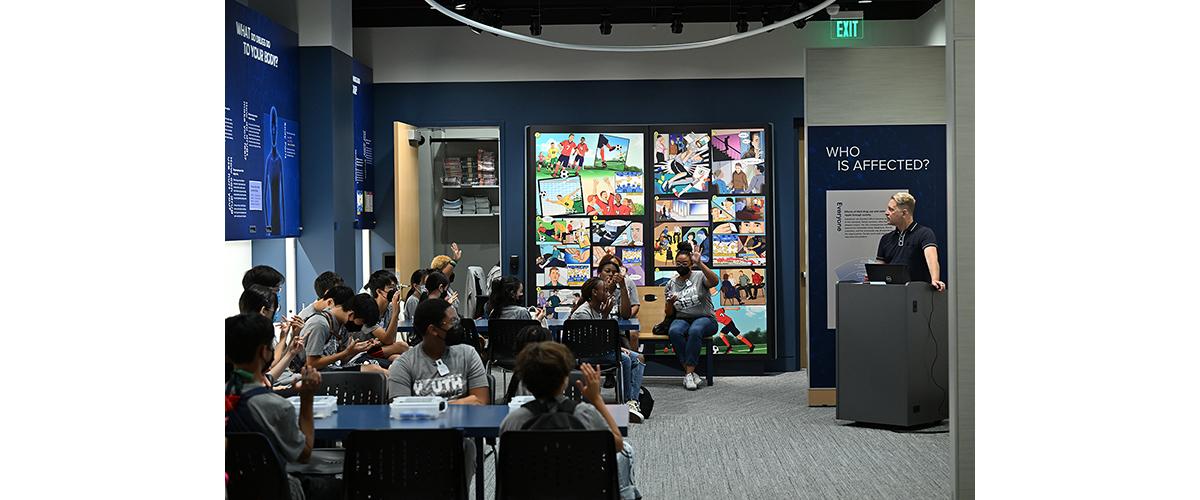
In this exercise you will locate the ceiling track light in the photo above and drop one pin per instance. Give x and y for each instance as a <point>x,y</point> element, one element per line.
<point>535,25</point>
<point>605,23</point>
<point>699,44</point>
<point>767,18</point>
<point>798,7</point>
<point>677,21</point>
<point>742,24</point>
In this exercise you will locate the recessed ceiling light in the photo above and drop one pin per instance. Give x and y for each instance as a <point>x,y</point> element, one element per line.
<point>460,6</point>
<point>864,1</point>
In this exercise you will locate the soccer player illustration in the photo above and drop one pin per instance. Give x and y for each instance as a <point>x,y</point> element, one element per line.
<point>564,156</point>
<point>273,183</point>
<point>728,327</point>
<point>603,147</point>
<point>580,150</point>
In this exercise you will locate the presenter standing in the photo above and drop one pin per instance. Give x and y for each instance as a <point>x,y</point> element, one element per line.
<point>910,244</point>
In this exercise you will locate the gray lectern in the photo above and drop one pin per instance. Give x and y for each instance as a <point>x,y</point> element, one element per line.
<point>891,347</point>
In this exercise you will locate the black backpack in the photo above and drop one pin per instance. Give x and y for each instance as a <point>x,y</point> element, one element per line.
<point>238,418</point>
<point>549,416</point>
<point>646,402</point>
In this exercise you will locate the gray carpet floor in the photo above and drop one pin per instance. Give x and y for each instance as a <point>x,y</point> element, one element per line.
<point>756,437</point>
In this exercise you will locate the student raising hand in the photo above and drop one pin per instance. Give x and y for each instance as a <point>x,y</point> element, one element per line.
<point>455,252</point>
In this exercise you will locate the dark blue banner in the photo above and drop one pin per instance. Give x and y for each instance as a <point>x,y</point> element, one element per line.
<point>846,159</point>
<point>364,137</point>
<point>262,129</point>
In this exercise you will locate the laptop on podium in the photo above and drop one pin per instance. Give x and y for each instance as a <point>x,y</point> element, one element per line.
<point>888,273</point>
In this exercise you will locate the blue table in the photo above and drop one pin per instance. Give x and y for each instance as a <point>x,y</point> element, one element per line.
<point>555,325</point>
<point>476,421</point>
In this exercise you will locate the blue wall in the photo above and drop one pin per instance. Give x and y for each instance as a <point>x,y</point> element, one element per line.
<point>515,105</point>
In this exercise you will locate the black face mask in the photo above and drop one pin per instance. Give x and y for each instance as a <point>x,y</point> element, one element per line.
<point>454,336</point>
<point>353,327</point>
<point>267,363</point>
<point>390,294</point>
<point>683,270</point>
<point>451,277</point>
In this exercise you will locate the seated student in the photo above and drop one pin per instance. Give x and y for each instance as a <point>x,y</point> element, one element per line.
<point>446,264</point>
<point>526,336</point>
<point>690,304</point>
<point>289,347</point>
<point>504,301</point>
<point>329,337</point>
<point>440,365</point>
<point>263,275</point>
<point>382,274</point>
<point>322,284</point>
<point>415,289</point>
<point>545,368</point>
<point>594,303</point>
<point>250,409</point>
<point>437,286</point>
<point>383,289</point>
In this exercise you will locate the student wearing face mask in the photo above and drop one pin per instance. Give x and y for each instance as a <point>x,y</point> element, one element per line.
<point>387,298</point>
<point>437,286</point>
<point>595,300</point>
<point>415,290</point>
<point>329,335</point>
<point>439,364</point>
<point>506,299</point>
<point>689,303</point>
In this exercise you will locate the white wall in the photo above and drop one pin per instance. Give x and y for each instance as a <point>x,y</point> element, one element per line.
<point>930,28</point>
<point>237,259</point>
<point>455,54</point>
<point>876,86</point>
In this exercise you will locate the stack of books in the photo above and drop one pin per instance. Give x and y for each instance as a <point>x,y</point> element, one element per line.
<point>452,207</point>
<point>487,168</point>
<point>453,172</point>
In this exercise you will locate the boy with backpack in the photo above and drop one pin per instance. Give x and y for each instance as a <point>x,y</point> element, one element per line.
<point>331,336</point>
<point>251,406</point>
<point>545,368</point>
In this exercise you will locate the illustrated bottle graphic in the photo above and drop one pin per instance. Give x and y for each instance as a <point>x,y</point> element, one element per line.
<point>273,183</point>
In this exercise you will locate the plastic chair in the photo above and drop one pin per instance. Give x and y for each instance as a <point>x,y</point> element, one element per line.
<point>255,470</point>
<point>405,464</point>
<point>502,346</point>
<point>596,341</point>
<point>572,391</point>
<point>354,388</point>
<point>568,464</point>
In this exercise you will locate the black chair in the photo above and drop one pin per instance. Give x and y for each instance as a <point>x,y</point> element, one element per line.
<point>502,345</point>
<point>572,390</point>
<point>596,341</point>
<point>568,464</point>
<point>405,464</point>
<point>354,388</point>
<point>255,470</point>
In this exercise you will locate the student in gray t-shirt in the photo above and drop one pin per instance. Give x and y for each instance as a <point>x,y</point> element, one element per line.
<point>690,303</point>
<point>505,298</point>
<point>441,365</point>
<point>554,361</point>
<point>328,335</point>
<point>593,304</point>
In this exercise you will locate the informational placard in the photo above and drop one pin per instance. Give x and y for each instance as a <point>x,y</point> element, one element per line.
<point>854,222</point>
<point>862,166</point>
<point>262,131</point>
<point>364,136</point>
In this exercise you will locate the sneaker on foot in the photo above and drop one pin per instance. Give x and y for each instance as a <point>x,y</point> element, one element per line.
<point>689,382</point>
<point>751,347</point>
<point>699,380</point>
<point>635,411</point>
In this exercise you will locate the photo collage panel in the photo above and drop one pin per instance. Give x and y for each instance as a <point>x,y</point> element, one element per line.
<point>592,186</point>
<point>709,188</point>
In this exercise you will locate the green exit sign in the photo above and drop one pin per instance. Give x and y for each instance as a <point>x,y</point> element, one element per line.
<point>846,28</point>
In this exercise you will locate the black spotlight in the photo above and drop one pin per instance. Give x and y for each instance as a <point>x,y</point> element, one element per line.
<point>768,18</point>
<point>742,25</point>
<point>797,7</point>
<point>677,22</point>
<point>535,25</point>
<point>605,24</point>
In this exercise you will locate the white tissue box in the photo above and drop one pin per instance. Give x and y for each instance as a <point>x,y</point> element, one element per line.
<point>518,401</point>
<point>323,406</point>
<point>417,407</point>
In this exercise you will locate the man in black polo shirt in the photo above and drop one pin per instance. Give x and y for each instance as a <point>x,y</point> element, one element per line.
<point>910,244</point>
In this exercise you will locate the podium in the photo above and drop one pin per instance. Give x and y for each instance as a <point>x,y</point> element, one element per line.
<point>891,348</point>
